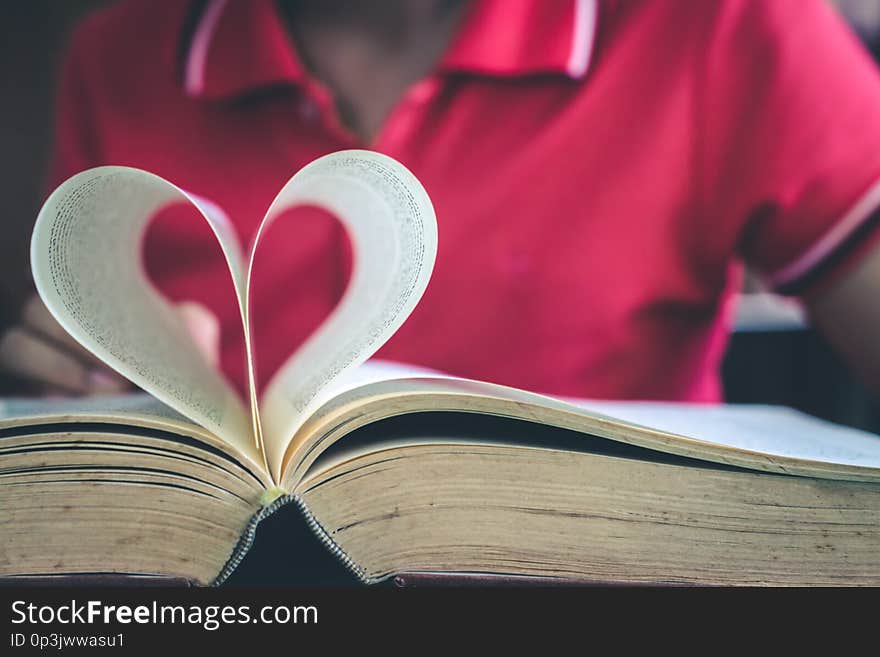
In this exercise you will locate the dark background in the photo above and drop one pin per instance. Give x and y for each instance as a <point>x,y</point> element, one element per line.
<point>33,36</point>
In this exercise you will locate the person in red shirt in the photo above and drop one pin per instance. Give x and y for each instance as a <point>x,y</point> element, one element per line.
<point>600,169</point>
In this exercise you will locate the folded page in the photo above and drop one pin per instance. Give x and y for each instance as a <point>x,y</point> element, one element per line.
<point>393,231</point>
<point>85,255</point>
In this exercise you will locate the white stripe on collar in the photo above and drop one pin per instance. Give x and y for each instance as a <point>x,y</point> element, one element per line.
<point>583,37</point>
<point>194,74</point>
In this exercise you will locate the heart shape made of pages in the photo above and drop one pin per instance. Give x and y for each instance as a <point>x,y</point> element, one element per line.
<point>85,258</point>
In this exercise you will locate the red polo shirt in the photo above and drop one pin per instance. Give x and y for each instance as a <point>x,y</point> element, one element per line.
<point>599,168</point>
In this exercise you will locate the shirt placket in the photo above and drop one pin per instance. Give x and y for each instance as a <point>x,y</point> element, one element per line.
<point>317,105</point>
<point>400,124</point>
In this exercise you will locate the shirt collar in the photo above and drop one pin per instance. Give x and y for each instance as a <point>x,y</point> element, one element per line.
<point>522,37</point>
<point>241,46</point>
<point>236,47</point>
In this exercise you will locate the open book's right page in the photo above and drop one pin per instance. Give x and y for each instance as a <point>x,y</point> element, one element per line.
<point>775,430</point>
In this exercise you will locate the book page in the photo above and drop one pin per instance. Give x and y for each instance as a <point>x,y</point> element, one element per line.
<point>86,261</point>
<point>102,406</point>
<point>769,438</point>
<point>773,430</point>
<point>393,231</point>
<point>375,370</point>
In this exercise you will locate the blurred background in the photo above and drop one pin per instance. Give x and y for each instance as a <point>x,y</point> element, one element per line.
<point>774,356</point>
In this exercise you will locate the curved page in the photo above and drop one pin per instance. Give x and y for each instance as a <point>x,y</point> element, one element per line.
<point>85,255</point>
<point>393,230</point>
<point>775,440</point>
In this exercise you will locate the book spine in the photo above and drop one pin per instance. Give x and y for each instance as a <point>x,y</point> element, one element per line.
<point>247,539</point>
<point>328,542</point>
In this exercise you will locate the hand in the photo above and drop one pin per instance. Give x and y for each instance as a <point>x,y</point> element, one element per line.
<point>48,361</point>
<point>204,327</point>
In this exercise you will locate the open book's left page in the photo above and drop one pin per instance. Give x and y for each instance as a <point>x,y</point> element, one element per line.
<point>86,255</point>
<point>135,410</point>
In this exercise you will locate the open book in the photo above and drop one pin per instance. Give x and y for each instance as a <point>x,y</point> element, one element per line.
<point>396,470</point>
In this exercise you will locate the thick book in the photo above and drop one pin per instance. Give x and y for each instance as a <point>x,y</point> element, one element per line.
<point>399,472</point>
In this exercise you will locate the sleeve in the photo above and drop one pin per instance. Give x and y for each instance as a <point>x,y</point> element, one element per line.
<point>75,140</point>
<point>791,141</point>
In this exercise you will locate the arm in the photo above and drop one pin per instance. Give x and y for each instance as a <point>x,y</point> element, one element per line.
<point>43,358</point>
<point>792,164</point>
<point>847,312</point>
